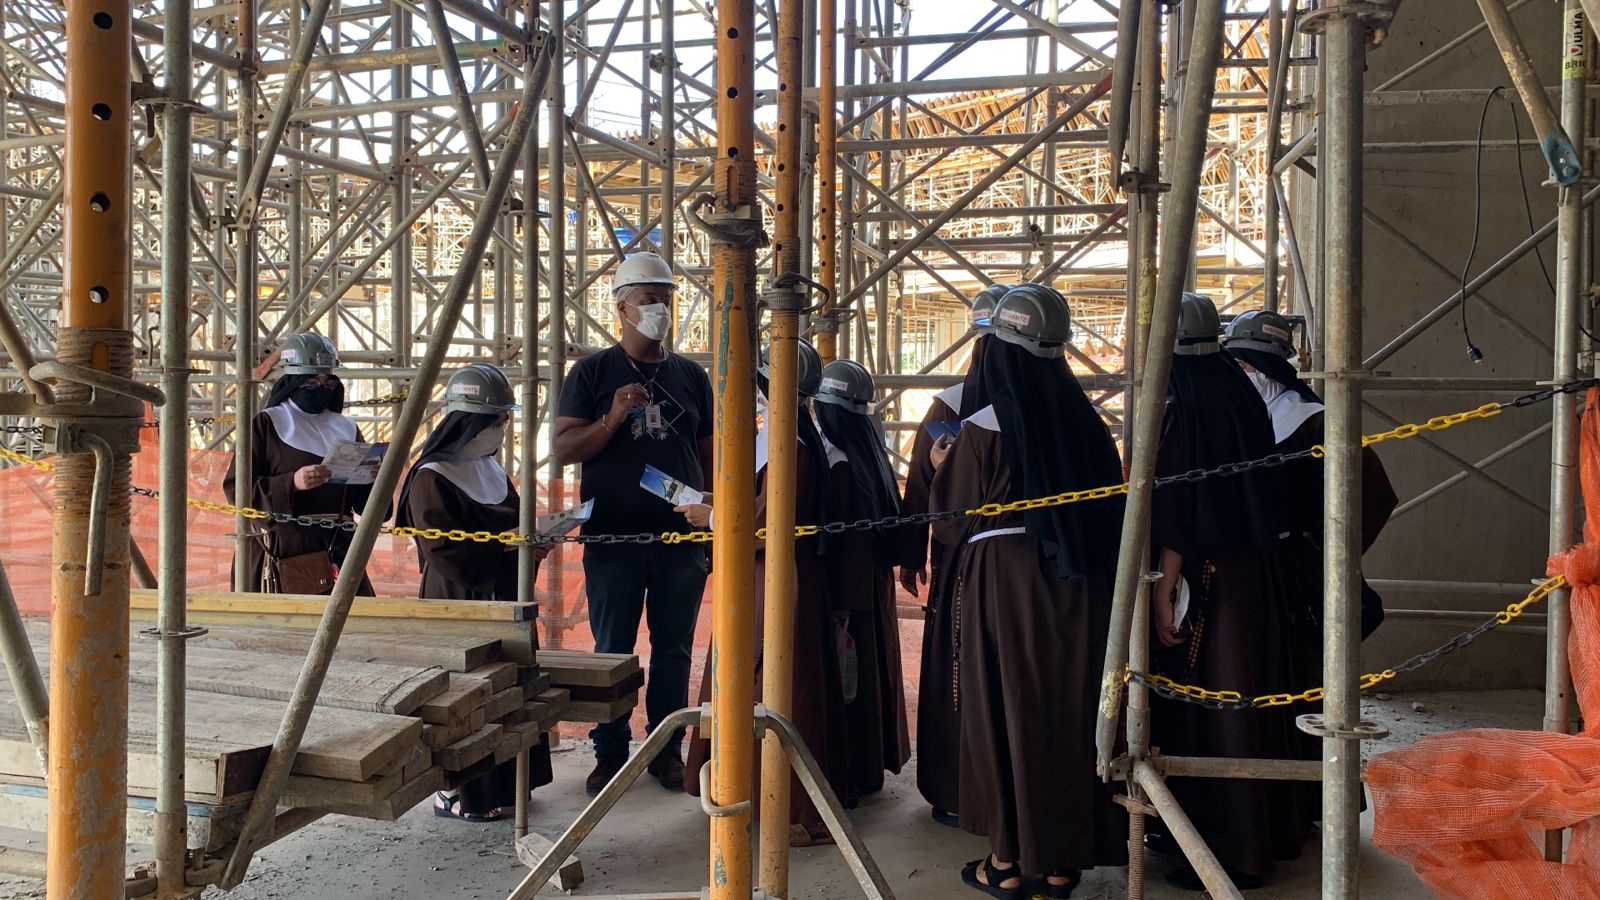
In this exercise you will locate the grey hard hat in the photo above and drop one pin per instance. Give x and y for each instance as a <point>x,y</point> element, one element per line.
<point>983,306</point>
<point>1263,330</point>
<point>308,353</point>
<point>810,374</point>
<point>847,383</point>
<point>1036,318</point>
<point>1198,326</point>
<point>479,388</point>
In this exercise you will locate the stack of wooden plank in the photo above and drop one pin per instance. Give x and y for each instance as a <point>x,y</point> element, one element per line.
<point>601,687</point>
<point>422,695</point>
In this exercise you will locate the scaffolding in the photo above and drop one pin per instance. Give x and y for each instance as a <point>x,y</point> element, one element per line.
<point>386,173</point>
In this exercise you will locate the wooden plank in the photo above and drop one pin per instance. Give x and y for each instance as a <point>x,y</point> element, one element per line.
<point>517,639</point>
<point>598,711</point>
<point>363,607</point>
<point>317,793</point>
<point>519,737</point>
<point>400,802</point>
<point>533,847</point>
<point>469,749</point>
<point>371,687</point>
<point>576,667</point>
<point>461,696</point>
<point>338,743</point>
<point>454,653</point>
<point>436,737</point>
<point>630,683</point>
<point>209,827</point>
<point>555,696</point>
<point>502,703</point>
<point>516,716</point>
<point>501,675</point>
<point>537,686</point>
<point>210,774</point>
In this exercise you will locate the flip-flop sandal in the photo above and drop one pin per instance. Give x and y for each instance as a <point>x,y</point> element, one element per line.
<point>947,819</point>
<point>997,876</point>
<point>452,810</point>
<point>806,836</point>
<point>1062,891</point>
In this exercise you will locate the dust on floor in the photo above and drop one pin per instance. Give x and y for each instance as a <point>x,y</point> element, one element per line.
<point>656,840</point>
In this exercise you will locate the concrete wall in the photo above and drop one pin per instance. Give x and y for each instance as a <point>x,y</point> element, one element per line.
<point>1474,532</point>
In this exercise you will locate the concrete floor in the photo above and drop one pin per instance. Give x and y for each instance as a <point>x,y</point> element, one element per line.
<point>656,841</point>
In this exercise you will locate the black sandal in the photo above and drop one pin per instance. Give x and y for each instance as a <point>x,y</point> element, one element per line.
<point>1062,891</point>
<point>996,877</point>
<point>452,810</point>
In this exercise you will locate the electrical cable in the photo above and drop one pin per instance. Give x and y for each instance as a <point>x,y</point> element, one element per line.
<point>1527,208</point>
<point>1473,353</point>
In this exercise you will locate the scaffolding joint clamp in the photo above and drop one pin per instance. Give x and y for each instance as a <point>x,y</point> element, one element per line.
<point>1317,725</point>
<point>1376,15</point>
<point>740,226</point>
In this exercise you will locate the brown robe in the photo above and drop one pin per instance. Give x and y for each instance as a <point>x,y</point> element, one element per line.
<point>1029,647</point>
<point>938,721</point>
<point>1303,554</point>
<point>1246,645</point>
<point>467,570</point>
<point>273,464</point>
<point>864,582</point>
<point>818,703</point>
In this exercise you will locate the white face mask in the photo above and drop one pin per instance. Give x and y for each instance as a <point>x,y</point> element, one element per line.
<point>485,443</point>
<point>655,320</point>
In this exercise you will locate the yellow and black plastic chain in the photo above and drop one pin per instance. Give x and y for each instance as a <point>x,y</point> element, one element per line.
<point>1165,687</point>
<point>1401,432</point>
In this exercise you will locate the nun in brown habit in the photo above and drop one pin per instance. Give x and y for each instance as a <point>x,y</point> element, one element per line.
<point>288,441</point>
<point>457,482</point>
<point>864,488</point>
<point>1260,341</point>
<point>1219,542</point>
<point>818,710</point>
<point>1032,596</point>
<point>938,722</point>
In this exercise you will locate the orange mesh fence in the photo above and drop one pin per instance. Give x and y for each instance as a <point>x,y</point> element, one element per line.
<point>25,498</point>
<point>1467,809</point>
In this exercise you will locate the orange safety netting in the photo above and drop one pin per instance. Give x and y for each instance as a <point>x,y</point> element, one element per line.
<point>1468,809</point>
<point>25,498</point>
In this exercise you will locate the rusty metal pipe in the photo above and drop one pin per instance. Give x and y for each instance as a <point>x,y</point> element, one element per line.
<point>827,166</point>
<point>734,320</point>
<point>87,832</point>
<point>777,670</point>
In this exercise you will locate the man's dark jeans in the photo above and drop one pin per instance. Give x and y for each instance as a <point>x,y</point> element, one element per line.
<point>664,584</point>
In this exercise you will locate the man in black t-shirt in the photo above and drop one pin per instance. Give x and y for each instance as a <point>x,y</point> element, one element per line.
<point>633,405</point>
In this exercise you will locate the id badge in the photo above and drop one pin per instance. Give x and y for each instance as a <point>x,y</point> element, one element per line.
<point>654,421</point>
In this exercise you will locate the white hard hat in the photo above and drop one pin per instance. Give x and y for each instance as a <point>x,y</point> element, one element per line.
<point>642,268</point>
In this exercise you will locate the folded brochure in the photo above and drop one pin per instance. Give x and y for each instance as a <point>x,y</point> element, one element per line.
<point>564,521</point>
<point>668,488</point>
<point>354,462</point>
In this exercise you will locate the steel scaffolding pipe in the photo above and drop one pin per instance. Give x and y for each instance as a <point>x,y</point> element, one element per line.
<point>258,819</point>
<point>1570,308</point>
<point>734,320</point>
<point>785,302</point>
<point>87,830</point>
<point>171,838</point>
<point>1343,64</point>
<point>1204,51</point>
